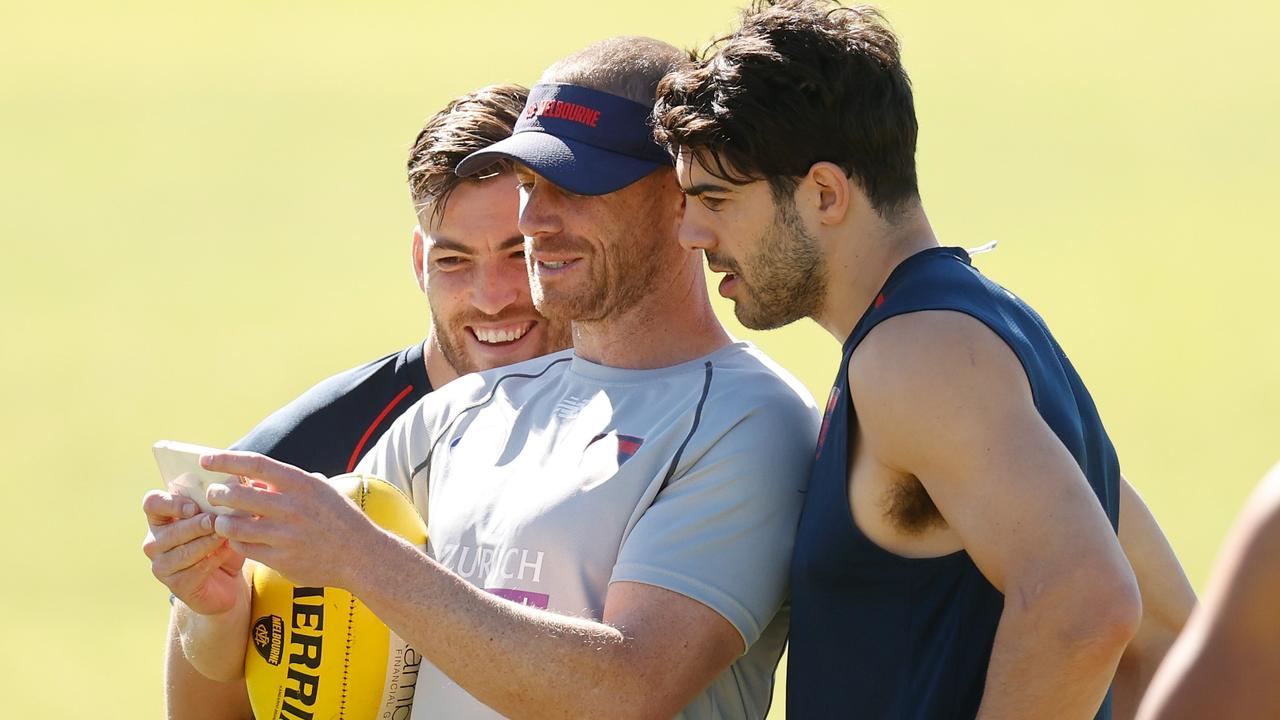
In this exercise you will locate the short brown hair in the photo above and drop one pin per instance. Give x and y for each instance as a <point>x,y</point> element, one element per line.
<point>467,124</point>
<point>628,66</point>
<point>800,82</point>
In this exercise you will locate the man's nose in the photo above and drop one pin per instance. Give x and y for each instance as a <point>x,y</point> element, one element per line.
<point>695,234</point>
<point>495,288</point>
<point>539,212</point>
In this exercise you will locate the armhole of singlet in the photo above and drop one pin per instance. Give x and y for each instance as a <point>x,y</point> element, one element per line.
<point>848,504</point>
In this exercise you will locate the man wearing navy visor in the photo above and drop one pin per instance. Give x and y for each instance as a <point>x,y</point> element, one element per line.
<point>610,526</point>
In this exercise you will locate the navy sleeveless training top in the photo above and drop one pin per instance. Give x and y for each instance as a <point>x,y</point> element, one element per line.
<point>876,635</point>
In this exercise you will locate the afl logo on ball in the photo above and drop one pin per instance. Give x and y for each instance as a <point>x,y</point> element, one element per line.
<point>268,638</point>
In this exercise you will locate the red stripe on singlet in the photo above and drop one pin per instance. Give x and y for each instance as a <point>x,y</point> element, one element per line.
<point>351,465</point>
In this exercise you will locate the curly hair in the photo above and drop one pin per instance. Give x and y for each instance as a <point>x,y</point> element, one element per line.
<point>800,82</point>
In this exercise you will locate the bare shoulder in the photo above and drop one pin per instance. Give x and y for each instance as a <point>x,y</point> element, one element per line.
<point>1225,663</point>
<point>939,397</point>
<point>933,357</point>
<point>1244,590</point>
<point>1248,556</point>
<point>1267,497</point>
<point>1259,529</point>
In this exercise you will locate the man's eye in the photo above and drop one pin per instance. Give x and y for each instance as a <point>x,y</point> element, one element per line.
<point>449,262</point>
<point>711,203</point>
<point>518,254</point>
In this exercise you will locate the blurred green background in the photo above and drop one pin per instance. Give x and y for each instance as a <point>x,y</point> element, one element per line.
<point>203,211</point>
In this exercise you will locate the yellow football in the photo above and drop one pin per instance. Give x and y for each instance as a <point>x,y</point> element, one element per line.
<point>318,652</point>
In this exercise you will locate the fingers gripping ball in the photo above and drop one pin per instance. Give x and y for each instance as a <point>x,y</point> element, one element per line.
<point>319,652</point>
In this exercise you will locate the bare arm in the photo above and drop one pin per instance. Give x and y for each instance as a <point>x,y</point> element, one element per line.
<point>649,657</point>
<point>192,696</point>
<point>651,654</point>
<point>942,398</point>
<point>214,643</point>
<point>1167,601</point>
<point>1227,662</point>
<point>202,573</point>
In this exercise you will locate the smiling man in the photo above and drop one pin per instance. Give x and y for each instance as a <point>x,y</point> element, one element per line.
<point>468,256</point>
<point>957,555</point>
<point>610,527</point>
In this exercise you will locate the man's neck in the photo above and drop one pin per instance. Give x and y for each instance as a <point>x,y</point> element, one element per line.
<point>674,323</point>
<point>861,260</point>
<point>439,371</point>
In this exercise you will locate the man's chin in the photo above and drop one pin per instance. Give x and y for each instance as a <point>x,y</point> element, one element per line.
<point>567,308</point>
<point>753,319</point>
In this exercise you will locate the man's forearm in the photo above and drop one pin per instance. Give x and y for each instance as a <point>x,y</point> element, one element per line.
<point>215,644</point>
<point>1053,663</point>
<point>521,661</point>
<point>189,695</point>
<point>1137,667</point>
<point>1167,601</point>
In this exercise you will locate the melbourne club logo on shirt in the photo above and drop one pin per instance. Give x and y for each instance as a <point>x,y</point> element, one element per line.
<point>604,456</point>
<point>627,445</point>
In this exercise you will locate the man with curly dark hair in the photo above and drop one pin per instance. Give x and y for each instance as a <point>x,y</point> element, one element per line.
<point>957,553</point>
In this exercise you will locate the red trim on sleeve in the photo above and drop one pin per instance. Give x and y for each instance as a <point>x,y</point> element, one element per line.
<point>355,456</point>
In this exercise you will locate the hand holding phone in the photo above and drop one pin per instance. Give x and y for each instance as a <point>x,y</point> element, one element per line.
<point>180,467</point>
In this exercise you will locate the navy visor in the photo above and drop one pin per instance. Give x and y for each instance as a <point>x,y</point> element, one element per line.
<point>586,141</point>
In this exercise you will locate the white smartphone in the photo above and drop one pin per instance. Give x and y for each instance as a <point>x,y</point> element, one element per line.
<point>180,467</point>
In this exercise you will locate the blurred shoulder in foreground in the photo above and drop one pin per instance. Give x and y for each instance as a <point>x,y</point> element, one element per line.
<point>1227,662</point>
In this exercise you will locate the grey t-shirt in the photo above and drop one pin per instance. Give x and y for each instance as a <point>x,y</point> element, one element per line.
<point>545,481</point>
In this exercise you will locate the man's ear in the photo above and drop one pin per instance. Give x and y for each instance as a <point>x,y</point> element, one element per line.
<point>829,192</point>
<point>418,241</point>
